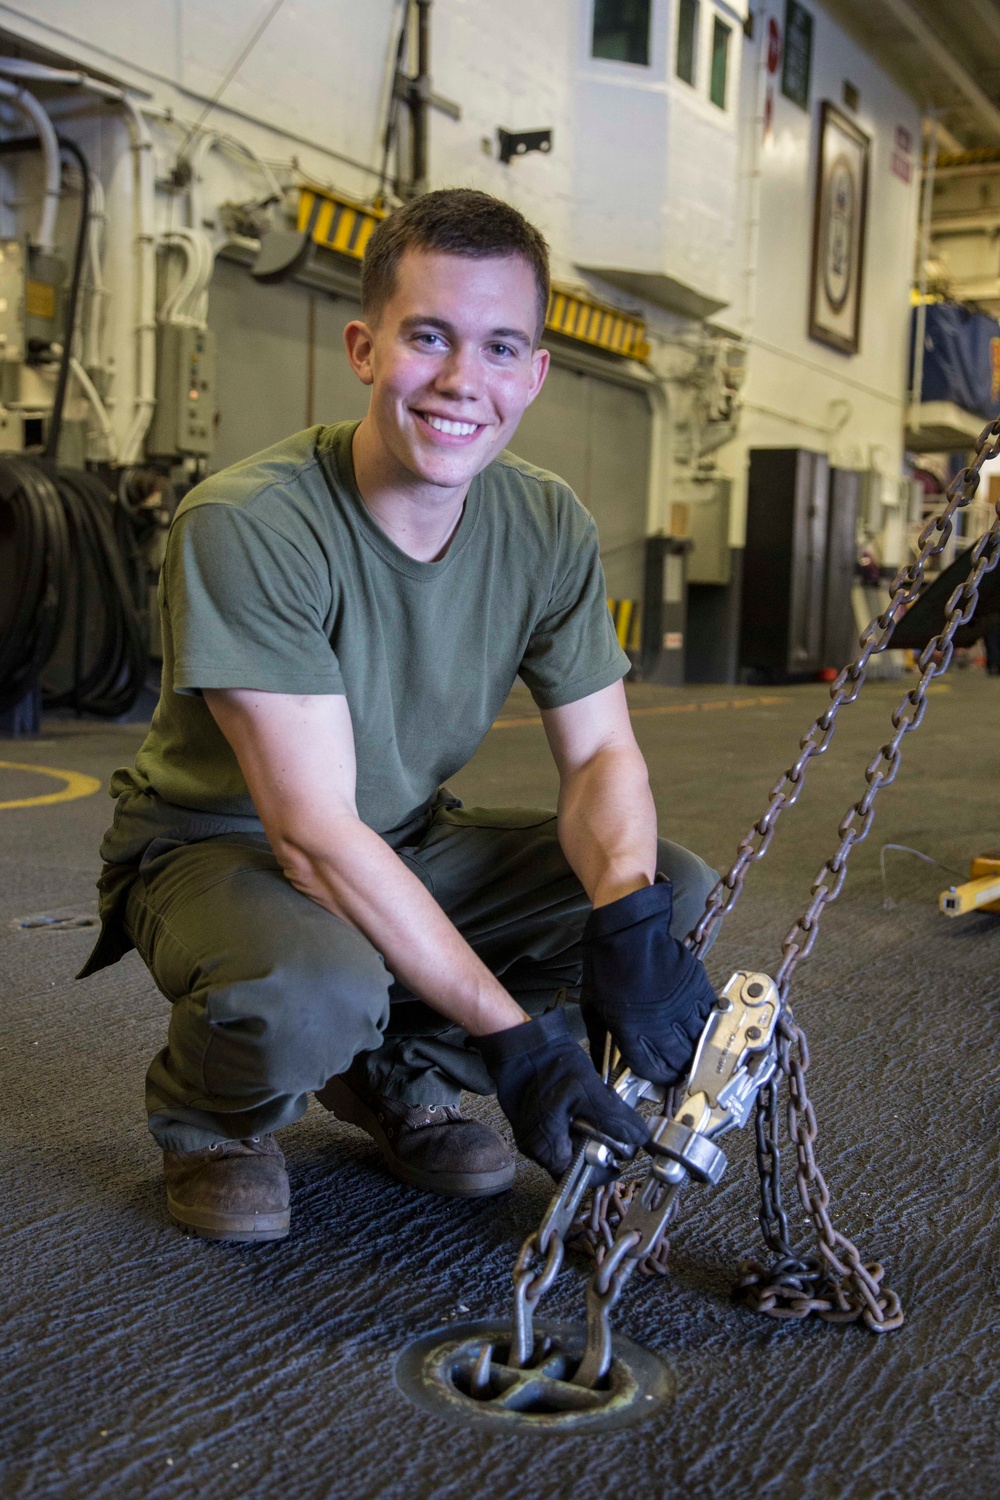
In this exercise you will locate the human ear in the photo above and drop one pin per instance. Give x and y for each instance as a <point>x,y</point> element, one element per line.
<point>539,369</point>
<point>359,343</point>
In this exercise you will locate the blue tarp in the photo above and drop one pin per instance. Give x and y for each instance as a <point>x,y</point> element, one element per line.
<point>961,358</point>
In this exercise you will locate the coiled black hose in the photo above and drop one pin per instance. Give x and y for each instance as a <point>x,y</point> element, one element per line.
<point>34,568</point>
<point>69,581</point>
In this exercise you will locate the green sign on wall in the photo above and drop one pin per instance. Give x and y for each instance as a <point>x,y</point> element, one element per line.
<point>797,64</point>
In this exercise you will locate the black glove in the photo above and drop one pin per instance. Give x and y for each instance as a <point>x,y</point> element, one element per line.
<point>643,985</point>
<point>544,1080</point>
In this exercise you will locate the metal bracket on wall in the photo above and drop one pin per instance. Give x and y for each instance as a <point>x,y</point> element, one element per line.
<point>519,142</point>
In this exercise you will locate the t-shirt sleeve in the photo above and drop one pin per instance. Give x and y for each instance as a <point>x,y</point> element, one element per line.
<point>573,650</point>
<point>246,608</point>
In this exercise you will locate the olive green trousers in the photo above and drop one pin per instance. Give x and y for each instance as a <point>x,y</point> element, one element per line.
<point>271,995</point>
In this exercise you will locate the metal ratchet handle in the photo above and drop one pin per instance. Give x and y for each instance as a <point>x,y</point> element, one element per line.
<point>735,1056</point>
<point>733,1050</point>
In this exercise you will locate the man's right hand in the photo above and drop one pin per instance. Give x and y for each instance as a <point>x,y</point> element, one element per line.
<point>544,1081</point>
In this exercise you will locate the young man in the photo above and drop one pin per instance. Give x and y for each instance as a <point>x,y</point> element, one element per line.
<point>344,615</point>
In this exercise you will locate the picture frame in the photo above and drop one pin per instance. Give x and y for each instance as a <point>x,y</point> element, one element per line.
<point>839,217</point>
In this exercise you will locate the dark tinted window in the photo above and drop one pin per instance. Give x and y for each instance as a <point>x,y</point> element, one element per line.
<point>687,39</point>
<point>621,30</point>
<point>720,63</point>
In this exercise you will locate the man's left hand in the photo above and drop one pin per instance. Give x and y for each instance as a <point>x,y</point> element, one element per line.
<point>643,985</point>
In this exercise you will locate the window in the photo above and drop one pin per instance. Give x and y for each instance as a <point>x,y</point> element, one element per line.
<point>621,31</point>
<point>720,62</point>
<point>687,39</point>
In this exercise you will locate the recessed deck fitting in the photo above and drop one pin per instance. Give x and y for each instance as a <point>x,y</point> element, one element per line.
<point>448,1372</point>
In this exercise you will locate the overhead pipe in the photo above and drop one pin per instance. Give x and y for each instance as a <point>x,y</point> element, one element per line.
<point>92,395</point>
<point>943,58</point>
<point>145,244</point>
<point>45,238</point>
<point>419,95</point>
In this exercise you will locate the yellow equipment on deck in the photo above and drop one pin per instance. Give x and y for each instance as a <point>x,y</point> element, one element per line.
<point>981,891</point>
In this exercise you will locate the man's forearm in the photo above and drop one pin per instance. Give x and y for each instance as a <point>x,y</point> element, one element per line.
<point>607,824</point>
<point>370,887</point>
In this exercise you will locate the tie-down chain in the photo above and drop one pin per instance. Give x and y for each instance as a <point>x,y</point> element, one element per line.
<point>749,1042</point>
<point>735,1058</point>
<point>835,1283</point>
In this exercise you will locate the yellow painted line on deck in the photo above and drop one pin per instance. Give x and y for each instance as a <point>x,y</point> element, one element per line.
<point>76,785</point>
<point>710,705</point>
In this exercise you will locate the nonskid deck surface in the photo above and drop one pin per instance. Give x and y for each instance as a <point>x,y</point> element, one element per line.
<point>140,1363</point>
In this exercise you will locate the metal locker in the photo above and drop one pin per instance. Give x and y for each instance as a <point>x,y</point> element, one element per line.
<point>782,616</point>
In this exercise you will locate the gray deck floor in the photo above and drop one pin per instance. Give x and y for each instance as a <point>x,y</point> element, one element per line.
<point>141,1363</point>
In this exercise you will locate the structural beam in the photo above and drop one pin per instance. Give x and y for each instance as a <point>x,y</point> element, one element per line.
<point>986,111</point>
<point>987,16</point>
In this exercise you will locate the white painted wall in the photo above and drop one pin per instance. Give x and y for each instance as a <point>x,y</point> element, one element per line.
<point>645,173</point>
<point>798,392</point>
<point>315,88</point>
<point>656,179</point>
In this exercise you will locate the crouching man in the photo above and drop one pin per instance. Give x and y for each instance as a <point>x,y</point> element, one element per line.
<point>343,617</point>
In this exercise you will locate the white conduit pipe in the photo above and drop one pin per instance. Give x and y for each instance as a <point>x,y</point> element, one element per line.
<point>93,343</point>
<point>184,303</point>
<point>231,143</point>
<point>145,247</point>
<point>29,106</point>
<point>89,389</point>
<point>217,140</point>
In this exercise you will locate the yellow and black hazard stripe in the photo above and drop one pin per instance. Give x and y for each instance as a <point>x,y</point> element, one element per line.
<point>626,619</point>
<point>342,224</point>
<point>575,316</point>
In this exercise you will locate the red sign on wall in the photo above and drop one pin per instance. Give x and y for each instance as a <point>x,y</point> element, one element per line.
<point>901,160</point>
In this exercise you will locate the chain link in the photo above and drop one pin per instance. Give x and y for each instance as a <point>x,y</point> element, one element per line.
<point>530,1287</point>
<point>835,1283</point>
<point>593,1230</point>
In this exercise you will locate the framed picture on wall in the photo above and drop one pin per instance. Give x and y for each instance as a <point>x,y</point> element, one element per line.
<point>838,231</point>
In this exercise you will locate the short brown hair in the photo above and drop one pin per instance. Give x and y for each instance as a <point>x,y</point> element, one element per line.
<point>457,221</point>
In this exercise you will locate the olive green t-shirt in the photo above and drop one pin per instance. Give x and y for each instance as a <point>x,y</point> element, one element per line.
<point>277,578</point>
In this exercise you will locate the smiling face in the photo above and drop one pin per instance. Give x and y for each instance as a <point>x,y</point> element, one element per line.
<point>452,364</point>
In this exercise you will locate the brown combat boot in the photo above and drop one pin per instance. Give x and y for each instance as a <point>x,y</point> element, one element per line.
<point>430,1146</point>
<point>234,1190</point>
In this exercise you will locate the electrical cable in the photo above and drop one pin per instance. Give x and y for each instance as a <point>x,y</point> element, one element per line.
<point>31,109</point>
<point>34,563</point>
<point>92,395</point>
<point>232,71</point>
<point>887,902</point>
<point>109,671</point>
<point>392,108</point>
<point>73,305</point>
<point>34,143</point>
<point>145,249</point>
<point>74,581</point>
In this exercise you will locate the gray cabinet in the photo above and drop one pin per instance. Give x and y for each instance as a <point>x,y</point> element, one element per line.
<point>784,565</point>
<point>840,631</point>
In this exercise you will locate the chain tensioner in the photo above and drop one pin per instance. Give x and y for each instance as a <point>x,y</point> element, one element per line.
<point>735,1058</point>
<point>834,1283</point>
<point>542,1374</point>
